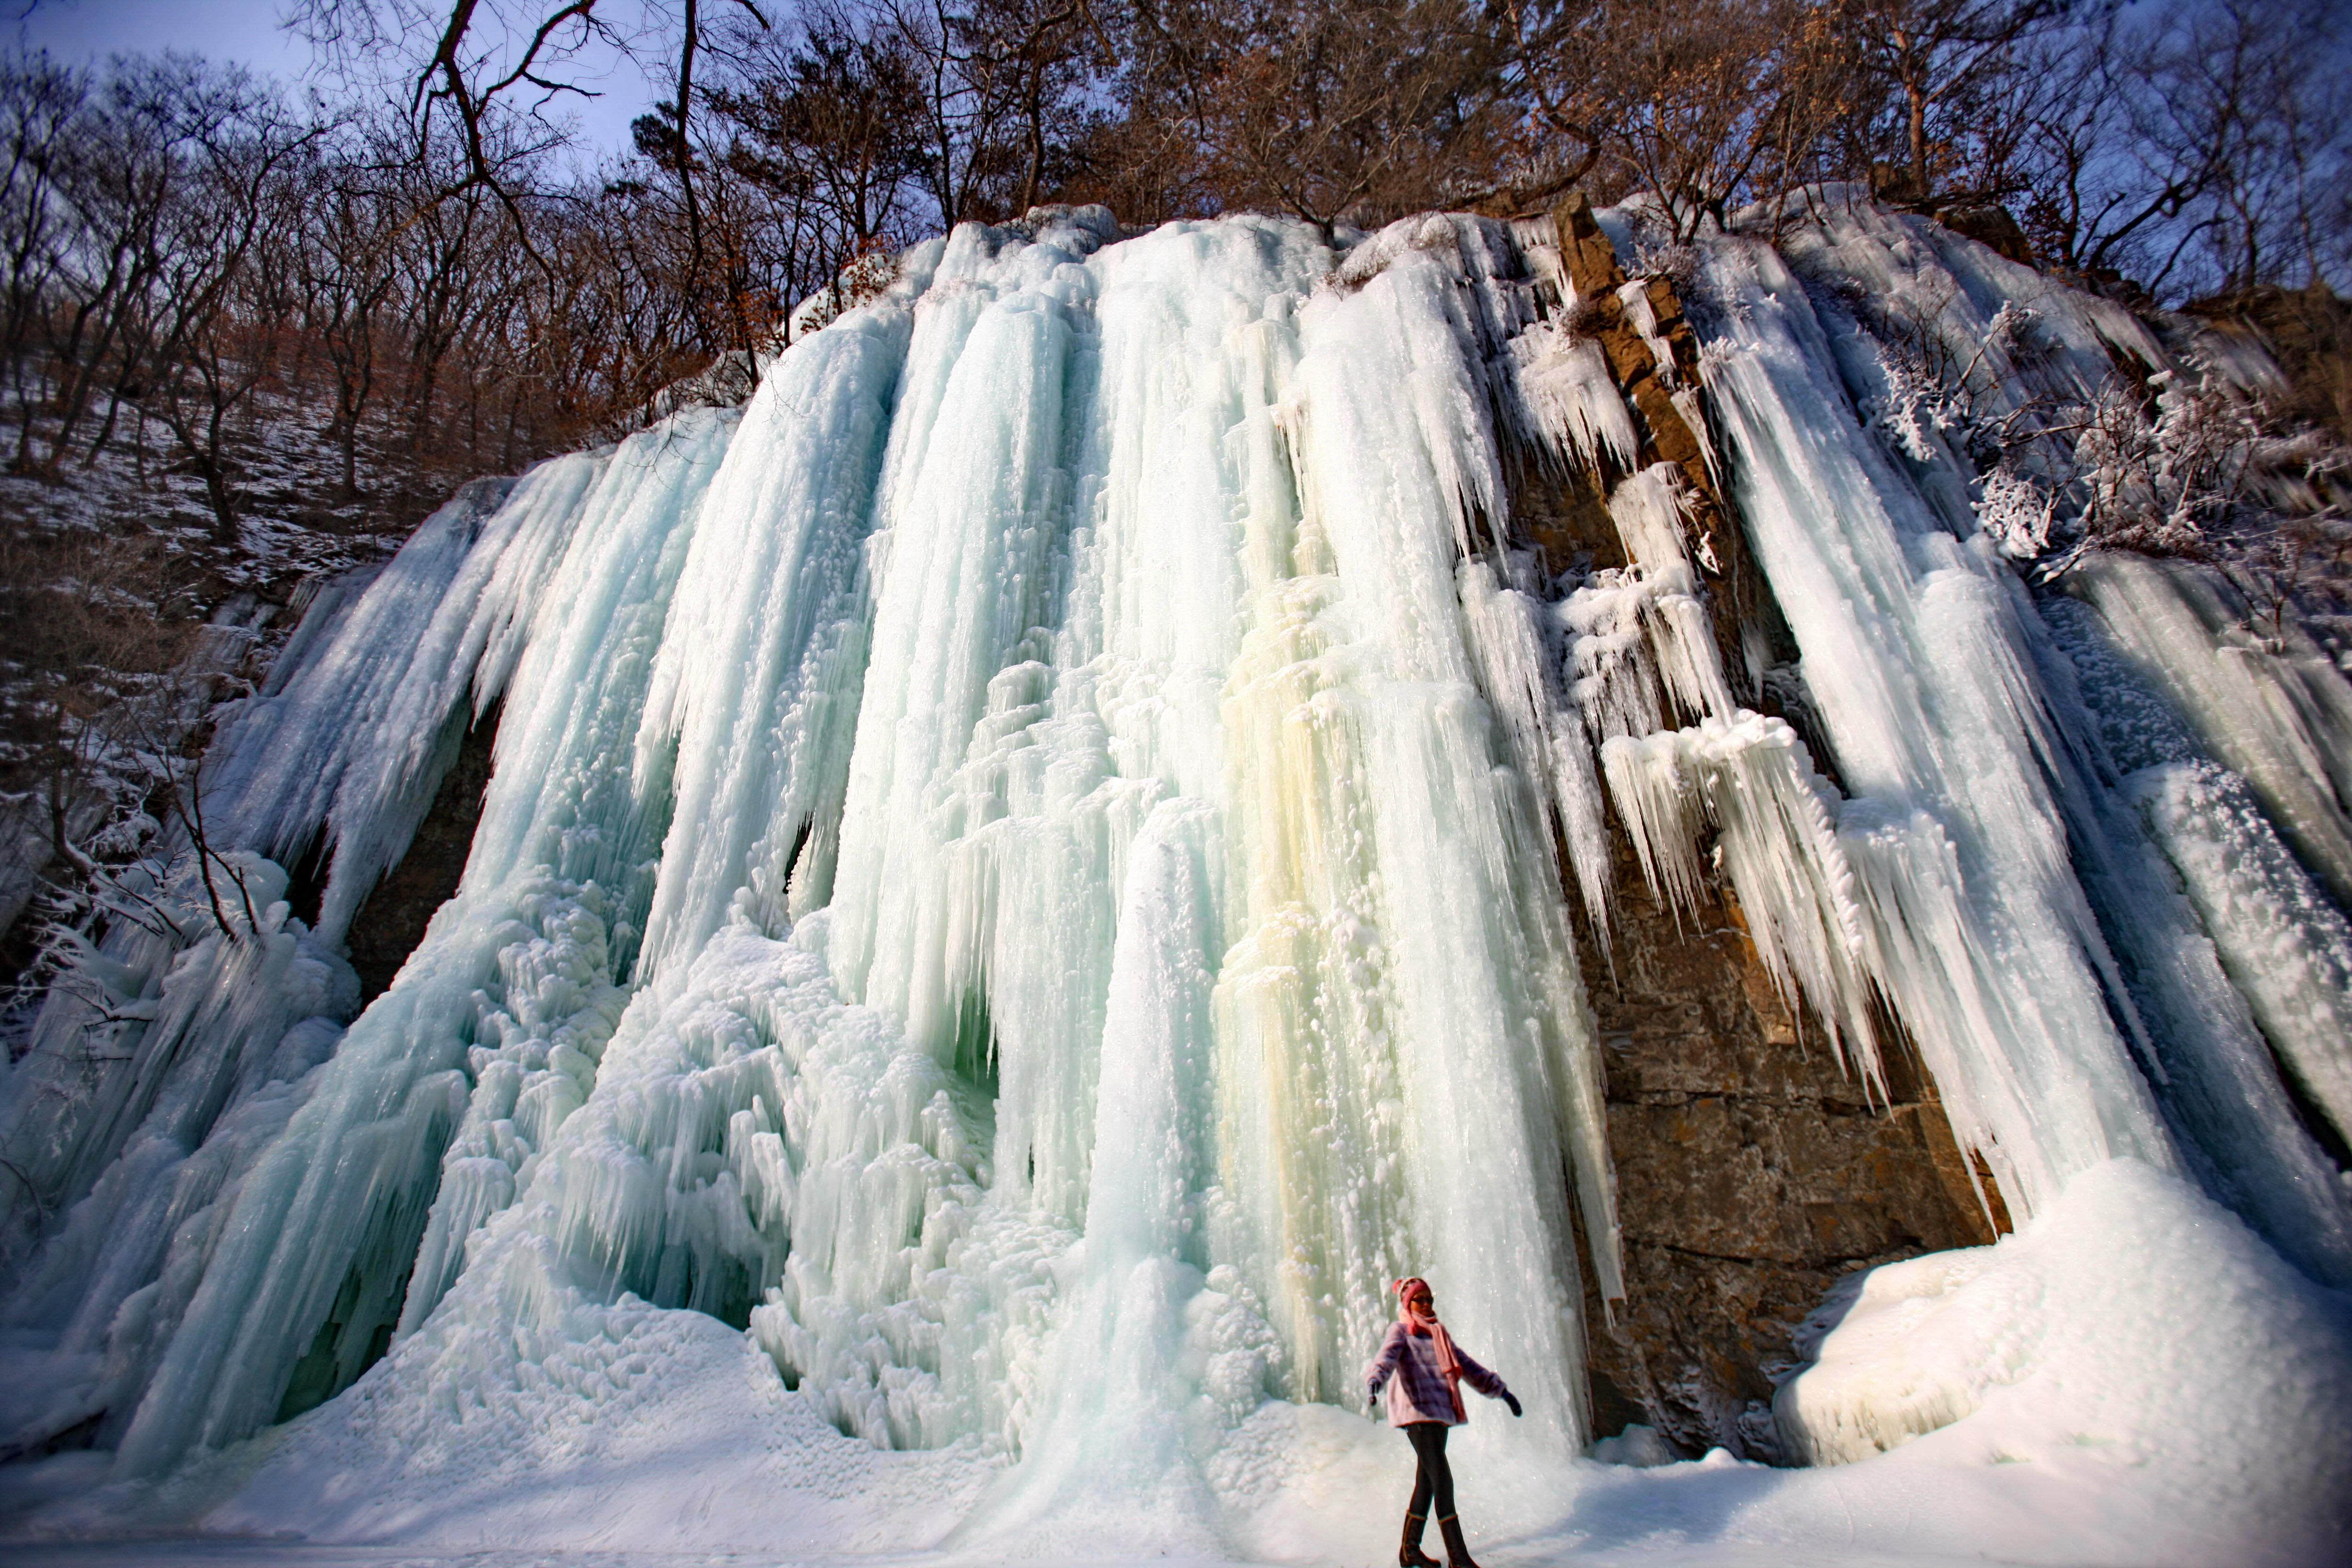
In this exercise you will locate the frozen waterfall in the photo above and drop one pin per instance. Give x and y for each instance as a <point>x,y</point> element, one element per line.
<point>1038,866</point>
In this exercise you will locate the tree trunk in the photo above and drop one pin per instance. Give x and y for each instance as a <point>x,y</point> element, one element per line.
<point>1917,98</point>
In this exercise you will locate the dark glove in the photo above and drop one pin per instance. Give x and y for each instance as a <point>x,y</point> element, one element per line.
<point>1513,1401</point>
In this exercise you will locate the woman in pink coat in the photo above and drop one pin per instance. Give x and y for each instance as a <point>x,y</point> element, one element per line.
<point>1423,1371</point>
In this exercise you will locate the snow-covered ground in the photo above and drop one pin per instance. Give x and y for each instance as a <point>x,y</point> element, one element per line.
<point>2107,1411</point>
<point>2088,1390</point>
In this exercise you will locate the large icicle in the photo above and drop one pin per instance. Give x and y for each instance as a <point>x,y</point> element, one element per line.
<point>355,742</point>
<point>1519,660</point>
<point>1482,959</point>
<point>2227,941</point>
<point>754,692</point>
<point>1931,704</point>
<point>1776,827</point>
<point>2288,949</point>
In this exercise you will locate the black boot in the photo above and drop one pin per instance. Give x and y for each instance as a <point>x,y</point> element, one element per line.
<point>1411,1555</point>
<point>1457,1554</point>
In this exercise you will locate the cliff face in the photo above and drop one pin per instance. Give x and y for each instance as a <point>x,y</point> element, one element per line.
<point>1189,814</point>
<point>1753,1170</point>
<point>1752,1173</point>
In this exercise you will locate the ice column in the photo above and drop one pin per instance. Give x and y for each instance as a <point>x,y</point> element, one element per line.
<point>1990,950</point>
<point>2267,703</point>
<point>1496,1047</point>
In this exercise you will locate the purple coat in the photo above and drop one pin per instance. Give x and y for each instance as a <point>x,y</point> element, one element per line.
<point>1418,1391</point>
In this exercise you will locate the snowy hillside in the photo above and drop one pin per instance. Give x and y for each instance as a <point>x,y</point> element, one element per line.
<point>1036,867</point>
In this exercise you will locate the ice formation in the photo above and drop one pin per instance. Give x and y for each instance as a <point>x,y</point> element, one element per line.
<point>1028,873</point>
<point>2265,701</point>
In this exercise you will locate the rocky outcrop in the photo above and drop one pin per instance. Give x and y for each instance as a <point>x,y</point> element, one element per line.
<point>1753,1170</point>
<point>2309,332</point>
<point>392,920</point>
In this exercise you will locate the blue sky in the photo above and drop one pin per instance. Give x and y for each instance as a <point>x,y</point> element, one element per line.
<point>249,32</point>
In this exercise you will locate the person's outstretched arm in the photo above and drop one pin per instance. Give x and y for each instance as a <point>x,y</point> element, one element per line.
<point>1484,1382</point>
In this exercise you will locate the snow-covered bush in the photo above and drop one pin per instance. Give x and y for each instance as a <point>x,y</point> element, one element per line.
<point>2183,460</point>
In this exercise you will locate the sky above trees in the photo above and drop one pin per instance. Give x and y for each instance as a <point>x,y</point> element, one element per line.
<point>253,34</point>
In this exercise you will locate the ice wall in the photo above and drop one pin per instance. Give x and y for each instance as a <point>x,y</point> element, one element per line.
<point>1030,869</point>
<point>1082,627</point>
<point>2015,914</point>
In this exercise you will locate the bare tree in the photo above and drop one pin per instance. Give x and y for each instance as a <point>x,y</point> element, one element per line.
<point>1688,103</point>
<point>2194,146</point>
<point>343,261</point>
<point>1321,111</point>
<point>221,274</point>
<point>41,108</point>
<point>1932,60</point>
<point>827,131</point>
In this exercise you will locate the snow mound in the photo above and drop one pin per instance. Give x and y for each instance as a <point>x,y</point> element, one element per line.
<point>2136,1326</point>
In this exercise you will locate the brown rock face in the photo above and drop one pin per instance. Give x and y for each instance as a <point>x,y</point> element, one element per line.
<point>390,922</point>
<point>1753,1170</point>
<point>1740,602</point>
<point>2309,331</point>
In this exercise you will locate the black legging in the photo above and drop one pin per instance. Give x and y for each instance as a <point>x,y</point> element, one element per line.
<point>1434,1481</point>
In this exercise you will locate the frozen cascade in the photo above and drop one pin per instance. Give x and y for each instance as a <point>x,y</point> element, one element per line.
<point>2263,699</point>
<point>519,955</point>
<point>1026,872</point>
<point>1181,482</point>
<point>295,767</point>
<point>216,1042</point>
<point>286,1269</point>
<point>1973,766</point>
<point>2002,971</point>
<point>2239,935</point>
<point>2288,949</point>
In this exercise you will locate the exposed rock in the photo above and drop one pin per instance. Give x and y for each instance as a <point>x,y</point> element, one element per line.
<point>1753,1170</point>
<point>2309,333</point>
<point>392,920</point>
<point>1989,225</point>
<point>1746,621</point>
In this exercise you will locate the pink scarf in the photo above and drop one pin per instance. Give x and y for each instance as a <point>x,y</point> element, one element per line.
<point>1420,1320</point>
